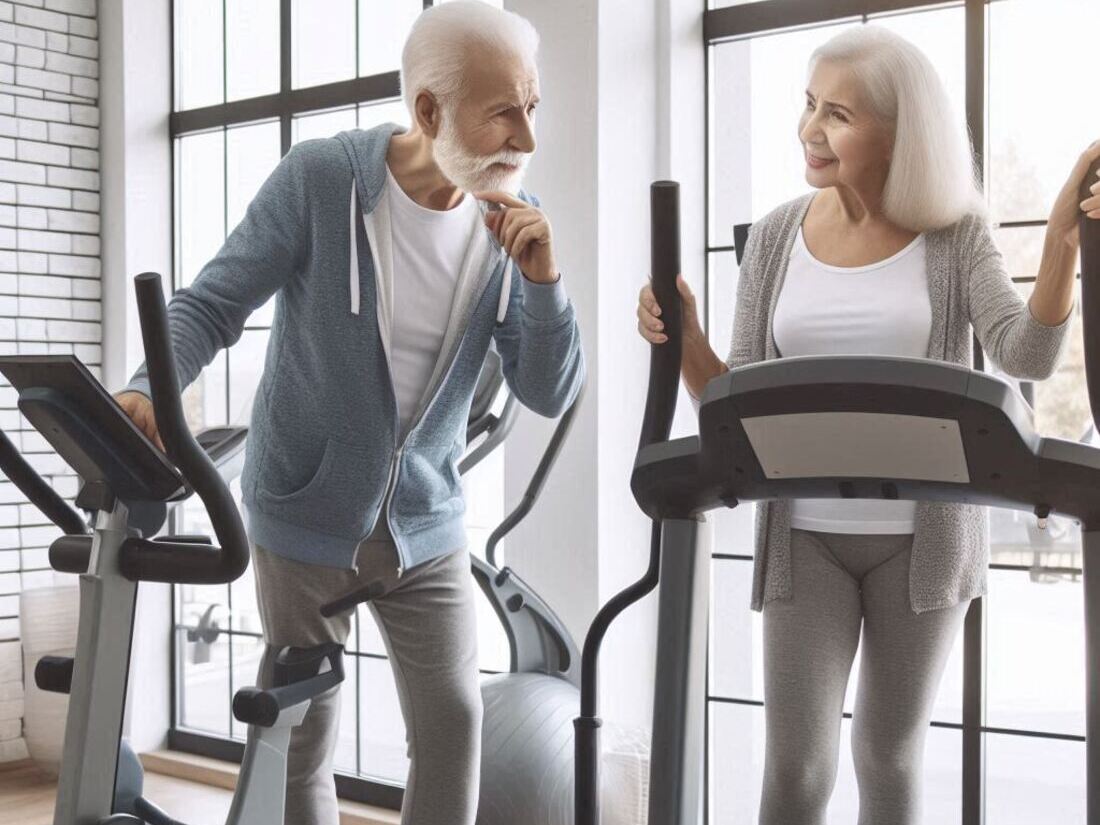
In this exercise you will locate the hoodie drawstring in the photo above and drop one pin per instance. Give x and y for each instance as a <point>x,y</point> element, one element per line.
<point>505,289</point>
<point>353,284</point>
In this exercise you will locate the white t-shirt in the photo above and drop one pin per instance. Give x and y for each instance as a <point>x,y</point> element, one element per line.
<point>879,309</point>
<point>429,247</point>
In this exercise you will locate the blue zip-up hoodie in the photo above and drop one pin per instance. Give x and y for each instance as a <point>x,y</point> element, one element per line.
<point>323,448</point>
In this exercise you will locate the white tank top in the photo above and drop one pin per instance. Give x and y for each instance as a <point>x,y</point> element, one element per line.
<point>879,309</point>
<point>429,246</point>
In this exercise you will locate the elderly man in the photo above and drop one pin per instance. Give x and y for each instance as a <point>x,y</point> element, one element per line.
<point>396,258</point>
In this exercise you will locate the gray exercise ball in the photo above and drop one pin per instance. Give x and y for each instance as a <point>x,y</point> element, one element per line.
<point>527,756</point>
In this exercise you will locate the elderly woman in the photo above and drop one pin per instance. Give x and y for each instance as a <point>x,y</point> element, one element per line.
<point>892,255</point>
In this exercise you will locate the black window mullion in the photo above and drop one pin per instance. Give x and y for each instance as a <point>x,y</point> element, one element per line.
<point>225,54</point>
<point>707,50</point>
<point>358,694</point>
<point>286,69</point>
<point>335,95</point>
<point>1021,224</point>
<point>740,22</point>
<point>974,652</point>
<point>706,335</point>
<point>229,708</point>
<point>173,159</point>
<point>225,234</point>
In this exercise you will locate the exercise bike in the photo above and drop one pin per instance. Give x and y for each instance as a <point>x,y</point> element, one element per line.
<point>127,486</point>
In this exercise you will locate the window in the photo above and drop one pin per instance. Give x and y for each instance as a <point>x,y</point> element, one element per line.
<point>1031,698</point>
<point>235,115</point>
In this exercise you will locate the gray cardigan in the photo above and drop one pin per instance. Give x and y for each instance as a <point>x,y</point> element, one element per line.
<point>969,288</point>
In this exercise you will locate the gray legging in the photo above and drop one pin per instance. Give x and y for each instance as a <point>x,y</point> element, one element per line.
<point>840,583</point>
<point>428,623</point>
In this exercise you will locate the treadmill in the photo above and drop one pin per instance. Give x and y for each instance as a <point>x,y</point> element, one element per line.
<point>822,427</point>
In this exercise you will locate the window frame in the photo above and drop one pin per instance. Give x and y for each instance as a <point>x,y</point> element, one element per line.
<point>283,106</point>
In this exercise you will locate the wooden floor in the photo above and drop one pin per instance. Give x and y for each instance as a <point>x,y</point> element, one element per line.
<point>26,798</point>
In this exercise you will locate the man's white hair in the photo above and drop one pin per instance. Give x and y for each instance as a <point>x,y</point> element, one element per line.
<point>932,182</point>
<point>444,37</point>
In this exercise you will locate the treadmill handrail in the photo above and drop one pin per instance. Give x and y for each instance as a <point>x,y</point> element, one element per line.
<point>165,560</point>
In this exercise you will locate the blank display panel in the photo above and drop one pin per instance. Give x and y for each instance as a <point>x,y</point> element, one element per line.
<point>858,445</point>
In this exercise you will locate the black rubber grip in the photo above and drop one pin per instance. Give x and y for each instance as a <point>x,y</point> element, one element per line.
<point>54,674</point>
<point>254,706</point>
<point>70,554</point>
<point>664,359</point>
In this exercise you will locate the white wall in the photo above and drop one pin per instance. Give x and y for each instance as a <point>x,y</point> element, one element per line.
<point>622,88</point>
<point>136,98</point>
<point>553,548</point>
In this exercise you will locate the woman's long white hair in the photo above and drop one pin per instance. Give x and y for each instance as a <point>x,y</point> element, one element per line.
<point>932,182</point>
<point>445,36</point>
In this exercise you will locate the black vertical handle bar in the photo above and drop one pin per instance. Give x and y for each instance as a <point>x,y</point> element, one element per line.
<point>664,384</point>
<point>165,560</point>
<point>664,359</point>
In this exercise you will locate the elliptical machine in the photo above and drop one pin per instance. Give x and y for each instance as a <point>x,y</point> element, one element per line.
<point>527,760</point>
<point>802,428</point>
<point>127,485</point>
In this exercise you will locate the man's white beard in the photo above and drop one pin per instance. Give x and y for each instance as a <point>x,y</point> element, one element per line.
<point>473,173</point>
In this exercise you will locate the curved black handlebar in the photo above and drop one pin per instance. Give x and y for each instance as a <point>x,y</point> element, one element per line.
<point>660,406</point>
<point>38,491</point>
<point>166,560</point>
<point>1090,295</point>
<point>538,480</point>
<point>664,359</point>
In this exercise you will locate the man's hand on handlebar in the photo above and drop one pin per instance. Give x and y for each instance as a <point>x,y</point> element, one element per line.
<point>140,409</point>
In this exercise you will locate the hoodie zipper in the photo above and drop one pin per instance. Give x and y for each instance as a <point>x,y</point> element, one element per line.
<point>395,464</point>
<point>399,446</point>
<point>391,483</point>
<point>395,469</point>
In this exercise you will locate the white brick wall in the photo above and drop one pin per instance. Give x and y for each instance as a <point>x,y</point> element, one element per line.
<point>50,292</point>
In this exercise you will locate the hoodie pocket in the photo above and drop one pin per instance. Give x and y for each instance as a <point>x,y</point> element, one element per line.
<point>332,500</point>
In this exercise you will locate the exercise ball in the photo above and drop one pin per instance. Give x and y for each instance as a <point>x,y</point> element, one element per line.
<point>527,756</point>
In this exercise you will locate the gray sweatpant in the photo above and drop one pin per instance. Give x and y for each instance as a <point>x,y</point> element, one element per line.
<point>840,584</point>
<point>428,624</point>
